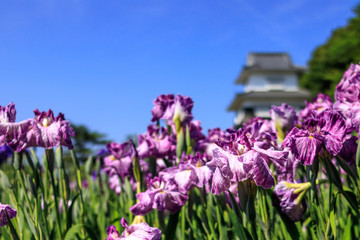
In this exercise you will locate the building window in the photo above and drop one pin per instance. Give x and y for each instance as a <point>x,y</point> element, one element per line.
<point>275,80</point>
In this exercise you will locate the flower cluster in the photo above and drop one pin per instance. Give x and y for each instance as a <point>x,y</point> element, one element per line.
<point>44,130</point>
<point>180,157</point>
<point>245,156</point>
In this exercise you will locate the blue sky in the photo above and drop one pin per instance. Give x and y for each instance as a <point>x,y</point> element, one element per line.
<point>102,63</point>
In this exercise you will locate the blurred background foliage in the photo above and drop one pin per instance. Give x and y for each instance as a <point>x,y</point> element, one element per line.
<point>86,141</point>
<point>329,61</point>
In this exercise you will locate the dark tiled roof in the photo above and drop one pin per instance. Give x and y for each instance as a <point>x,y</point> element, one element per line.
<point>269,96</point>
<point>267,63</point>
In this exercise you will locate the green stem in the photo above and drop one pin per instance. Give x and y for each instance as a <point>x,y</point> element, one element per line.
<point>78,178</point>
<point>50,162</point>
<point>183,211</point>
<point>20,176</point>
<point>62,184</point>
<point>253,230</point>
<point>161,219</point>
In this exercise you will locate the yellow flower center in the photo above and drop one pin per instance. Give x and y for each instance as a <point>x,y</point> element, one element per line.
<point>45,122</point>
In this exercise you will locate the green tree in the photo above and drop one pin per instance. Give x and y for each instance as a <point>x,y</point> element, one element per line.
<point>86,141</point>
<point>329,61</point>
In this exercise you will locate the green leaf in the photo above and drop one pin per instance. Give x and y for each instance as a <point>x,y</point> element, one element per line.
<point>69,211</point>
<point>235,206</point>
<point>180,144</point>
<point>243,194</point>
<point>59,157</point>
<point>29,220</point>
<point>347,234</point>
<point>358,155</point>
<point>32,186</point>
<point>4,181</point>
<point>210,219</point>
<point>351,198</point>
<point>171,225</point>
<point>237,227</point>
<point>18,160</point>
<point>332,223</point>
<point>289,224</point>
<point>12,229</point>
<point>344,165</point>
<point>187,138</point>
<point>6,235</point>
<point>250,208</point>
<point>76,229</point>
<point>42,218</point>
<point>88,164</point>
<point>50,157</point>
<point>31,164</point>
<point>222,227</point>
<point>332,173</point>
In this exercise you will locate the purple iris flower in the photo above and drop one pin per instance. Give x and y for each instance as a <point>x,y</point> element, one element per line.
<point>287,171</point>
<point>348,151</point>
<point>203,172</point>
<point>161,104</point>
<point>133,232</point>
<point>114,184</point>
<point>103,152</point>
<point>327,130</point>
<point>44,131</point>
<point>156,143</point>
<point>291,198</point>
<point>8,113</point>
<point>162,195</point>
<point>319,104</point>
<point>120,160</point>
<point>12,133</point>
<point>347,96</point>
<point>48,131</point>
<point>348,88</point>
<point>259,130</point>
<point>179,111</point>
<point>243,158</point>
<point>195,130</point>
<point>207,145</point>
<point>183,175</point>
<point>283,119</point>
<point>10,211</point>
<point>189,173</point>
<point>5,153</point>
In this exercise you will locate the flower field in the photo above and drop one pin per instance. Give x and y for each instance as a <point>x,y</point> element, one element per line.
<point>294,176</point>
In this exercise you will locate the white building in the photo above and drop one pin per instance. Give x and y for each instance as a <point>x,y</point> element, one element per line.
<point>268,79</point>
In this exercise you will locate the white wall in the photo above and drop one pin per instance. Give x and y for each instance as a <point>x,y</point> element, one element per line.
<point>262,82</point>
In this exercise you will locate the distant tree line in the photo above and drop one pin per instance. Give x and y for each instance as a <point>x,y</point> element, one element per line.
<point>330,60</point>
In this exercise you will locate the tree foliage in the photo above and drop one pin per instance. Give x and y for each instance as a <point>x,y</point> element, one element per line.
<point>329,61</point>
<point>86,141</point>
